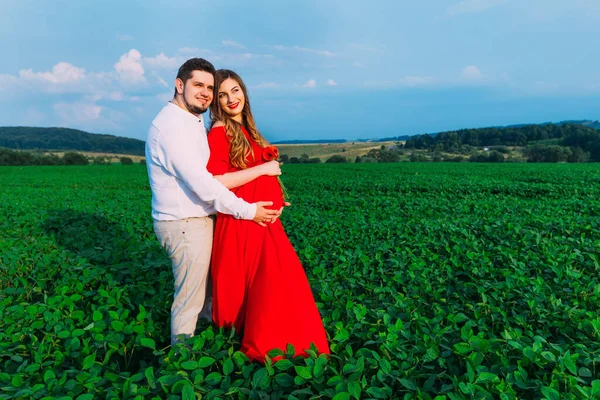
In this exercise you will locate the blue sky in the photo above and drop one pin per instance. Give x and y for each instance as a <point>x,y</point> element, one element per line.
<point>315,69</point>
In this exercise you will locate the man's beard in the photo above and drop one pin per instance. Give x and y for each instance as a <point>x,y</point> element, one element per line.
<point>194,109</point>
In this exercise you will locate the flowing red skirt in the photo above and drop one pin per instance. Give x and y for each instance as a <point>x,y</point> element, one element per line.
<point>259,284</point>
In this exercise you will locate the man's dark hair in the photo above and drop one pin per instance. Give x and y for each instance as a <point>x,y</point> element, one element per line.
<point>194,64</point>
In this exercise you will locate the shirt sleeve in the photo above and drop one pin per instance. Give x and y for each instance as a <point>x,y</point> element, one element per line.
<point>181,157</point>
<point>218,163</point>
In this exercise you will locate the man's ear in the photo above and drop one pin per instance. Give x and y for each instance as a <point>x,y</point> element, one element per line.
<point>179,85</point>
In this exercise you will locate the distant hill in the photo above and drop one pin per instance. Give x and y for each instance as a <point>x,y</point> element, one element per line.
<point>585,122</point>
<point>595,124</point>
<point>316,141</point>
<point>62,139</point>
<point>65,139</point>
<point>326,141</point>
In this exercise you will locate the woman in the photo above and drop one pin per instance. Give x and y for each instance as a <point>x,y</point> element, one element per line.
<point>259,285</point>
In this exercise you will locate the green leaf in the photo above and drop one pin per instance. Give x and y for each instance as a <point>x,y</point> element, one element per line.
<point>408,384</point>
<point>227,366</point>
<point>354,389</point>
<point>187,392</point>
<point>487,377</point>
<point>342,396</point>
<point>549,356</point>
<point>569,364</point>
<point>275,353</point>
<point>64,334</point>
<point>189,365</point>
<point>319,367</point>
<point>335,380</point>
<point>463,348</point>
<point>49,375</point>
<point>89,361</point>
<point>303,372</point>
<point>78,332</point>
<point>142,314</point>
<point>260,379</point>
<point>86,396</point>
<point>117,325</point>
<point>283,364</point>
<point>147,342</point>
<point>97,316</point>
<point>17,380</point>
<point>377,393</point>
<point>284,380</point>
<point>213,378</point>
<point>205,362</point>
<point>149,373</point>
<point>551,394</point>
<point>585,372</point>
<point>290,351</point>
<point>385,365</point>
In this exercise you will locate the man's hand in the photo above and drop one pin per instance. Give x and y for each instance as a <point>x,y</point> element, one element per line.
<point>271,168</point>
<point>285,204</point>
<point>264,214</point>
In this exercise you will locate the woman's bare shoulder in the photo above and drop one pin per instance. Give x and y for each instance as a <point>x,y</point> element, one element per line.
<point>218,124</point>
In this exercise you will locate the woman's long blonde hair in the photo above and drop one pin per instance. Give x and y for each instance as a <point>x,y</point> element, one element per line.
<point>240,147</point>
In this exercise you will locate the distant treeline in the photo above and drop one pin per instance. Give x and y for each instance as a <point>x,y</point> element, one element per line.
<point>310,141</point>
<point>578,138</point>
<point>65,139</point>
<point>9,157</point>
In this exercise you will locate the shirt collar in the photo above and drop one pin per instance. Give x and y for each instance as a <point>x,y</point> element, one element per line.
<point>184,114</point>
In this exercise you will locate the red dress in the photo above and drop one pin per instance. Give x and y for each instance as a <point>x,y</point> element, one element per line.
<point>259,285</point>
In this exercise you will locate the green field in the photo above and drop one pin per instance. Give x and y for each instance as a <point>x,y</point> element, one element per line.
<point>349,150</point>
<point>434,280</point>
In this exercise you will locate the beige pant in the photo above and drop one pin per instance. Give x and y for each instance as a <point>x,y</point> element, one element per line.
<point>189,244</point>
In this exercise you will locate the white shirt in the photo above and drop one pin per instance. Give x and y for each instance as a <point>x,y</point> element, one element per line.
<point>176,156</point>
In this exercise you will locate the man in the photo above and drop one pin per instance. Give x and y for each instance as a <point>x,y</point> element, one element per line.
<point>184,194</point>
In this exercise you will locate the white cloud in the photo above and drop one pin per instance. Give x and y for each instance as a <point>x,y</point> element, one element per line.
<point>162,81</point>
<point>62,73</point>
<point>124,38</point>
<point>331,82</point>
<point>70,113</point>
<point>231,43</point>
<point>6,79</point>
<point>89,116</point>
<point>116,96</point>
<point>63,78</point>
<point>471,72</point>
<point>325,53</point>
<point>311,83</point>
<point>129,69</point>
<point>472,6</point>
<point>161,61</point>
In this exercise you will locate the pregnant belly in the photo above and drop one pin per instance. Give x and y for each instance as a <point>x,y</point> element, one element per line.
<point>269,189</point>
